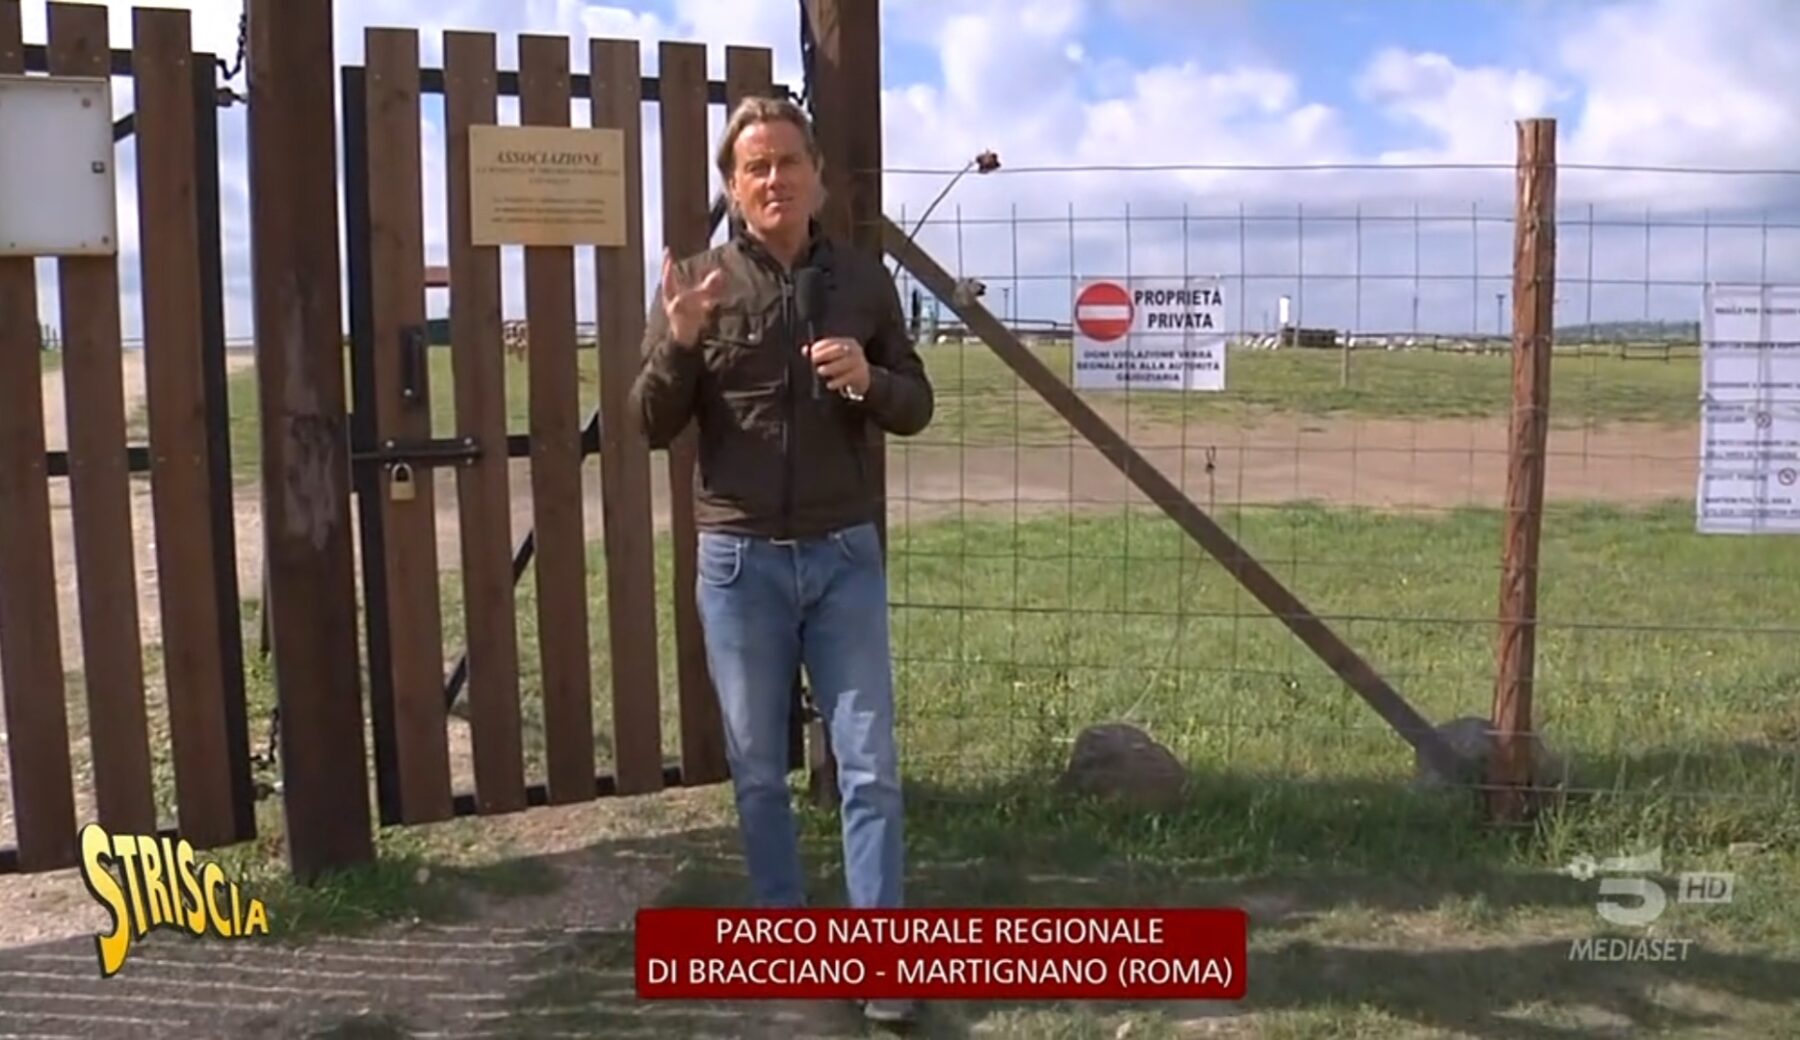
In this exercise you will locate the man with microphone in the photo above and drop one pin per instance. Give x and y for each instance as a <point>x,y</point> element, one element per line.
<point>786,347</point>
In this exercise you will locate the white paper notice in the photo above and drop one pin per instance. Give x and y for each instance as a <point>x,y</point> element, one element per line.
<point>1750,411</point>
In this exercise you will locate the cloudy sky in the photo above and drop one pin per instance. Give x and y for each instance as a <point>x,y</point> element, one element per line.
<point>1121,124</point>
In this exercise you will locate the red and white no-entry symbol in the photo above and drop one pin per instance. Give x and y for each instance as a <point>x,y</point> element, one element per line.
<point>1103,311</point>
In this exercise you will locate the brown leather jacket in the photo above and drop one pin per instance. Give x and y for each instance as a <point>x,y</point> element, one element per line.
<point>776,459</point>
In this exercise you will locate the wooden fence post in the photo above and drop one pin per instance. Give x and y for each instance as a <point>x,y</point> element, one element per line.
<point>847,119</point>
<point>1510,769</point>
<point>306,467</point>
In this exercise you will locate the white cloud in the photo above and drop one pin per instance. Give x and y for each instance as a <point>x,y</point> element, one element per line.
<point>1460,107</point>
<point>1644,82</point>
<point>1669,82</point>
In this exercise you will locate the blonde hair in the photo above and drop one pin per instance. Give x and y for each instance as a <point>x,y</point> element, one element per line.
<point>754,110</point>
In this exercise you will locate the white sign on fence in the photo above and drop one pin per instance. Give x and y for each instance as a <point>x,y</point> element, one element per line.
<point>1750,411</point>
<point>1150,334</point>
<point>57,173</point>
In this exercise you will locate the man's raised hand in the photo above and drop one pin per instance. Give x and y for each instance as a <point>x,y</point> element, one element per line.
<point>688,306</point>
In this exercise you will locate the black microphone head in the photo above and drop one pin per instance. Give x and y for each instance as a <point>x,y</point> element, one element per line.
<point>809,293</point>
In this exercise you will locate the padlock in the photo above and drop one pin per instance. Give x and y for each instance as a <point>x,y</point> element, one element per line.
<point>400,483</point>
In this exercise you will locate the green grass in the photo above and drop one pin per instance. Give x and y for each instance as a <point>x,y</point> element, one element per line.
<point>1445,931</point>
<point>981,401</point>
<point>1011,634</point>
<point>1658,649</point>
<point>1668,675</point>
<point>1332,954</point>
<point>1378,910</point>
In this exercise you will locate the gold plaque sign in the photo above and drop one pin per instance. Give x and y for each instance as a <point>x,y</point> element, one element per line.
<point>546,186</point>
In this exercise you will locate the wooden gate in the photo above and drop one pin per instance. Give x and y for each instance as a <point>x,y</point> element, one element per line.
<point>522,668</point>
<point>180,742</point>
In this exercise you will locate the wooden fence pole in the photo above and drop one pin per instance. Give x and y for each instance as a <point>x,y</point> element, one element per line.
<point>847,119</point>
<point>1534,291</point>
<point>306,467</point>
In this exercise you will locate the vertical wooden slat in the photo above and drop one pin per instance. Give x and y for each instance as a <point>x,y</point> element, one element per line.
<point>686,213</point>
<point>31,665</point>
<point>100,487</point>
<point>306,465</point>
<point>397,306</point>
<point>624,451</point>
<point>749,72</point>
<point>847,78</point>
<point>562,605</point>
<point>470,97</point>
<point>181,478</point>
<point>1534,316</point>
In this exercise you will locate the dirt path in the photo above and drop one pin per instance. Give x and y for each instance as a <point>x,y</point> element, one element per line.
<point>557,964</point>
<point>405,979</point>
<point>1385,464</point>
<point>1428,465</point>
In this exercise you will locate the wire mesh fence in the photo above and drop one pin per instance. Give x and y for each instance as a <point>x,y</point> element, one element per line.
<point>1358,449</point>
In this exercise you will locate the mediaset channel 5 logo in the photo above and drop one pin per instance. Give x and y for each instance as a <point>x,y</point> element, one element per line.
<point>1631,896</point>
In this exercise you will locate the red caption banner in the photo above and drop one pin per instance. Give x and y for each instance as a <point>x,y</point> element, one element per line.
<point>1095,954</point>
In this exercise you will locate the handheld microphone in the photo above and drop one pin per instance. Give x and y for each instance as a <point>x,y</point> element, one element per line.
<point>809,295</point>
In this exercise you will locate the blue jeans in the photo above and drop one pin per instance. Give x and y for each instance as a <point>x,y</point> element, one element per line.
<point>767,607</point>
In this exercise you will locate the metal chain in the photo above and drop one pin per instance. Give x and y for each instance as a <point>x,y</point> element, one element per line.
<point>230,72</point>
<point>227,95</point>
